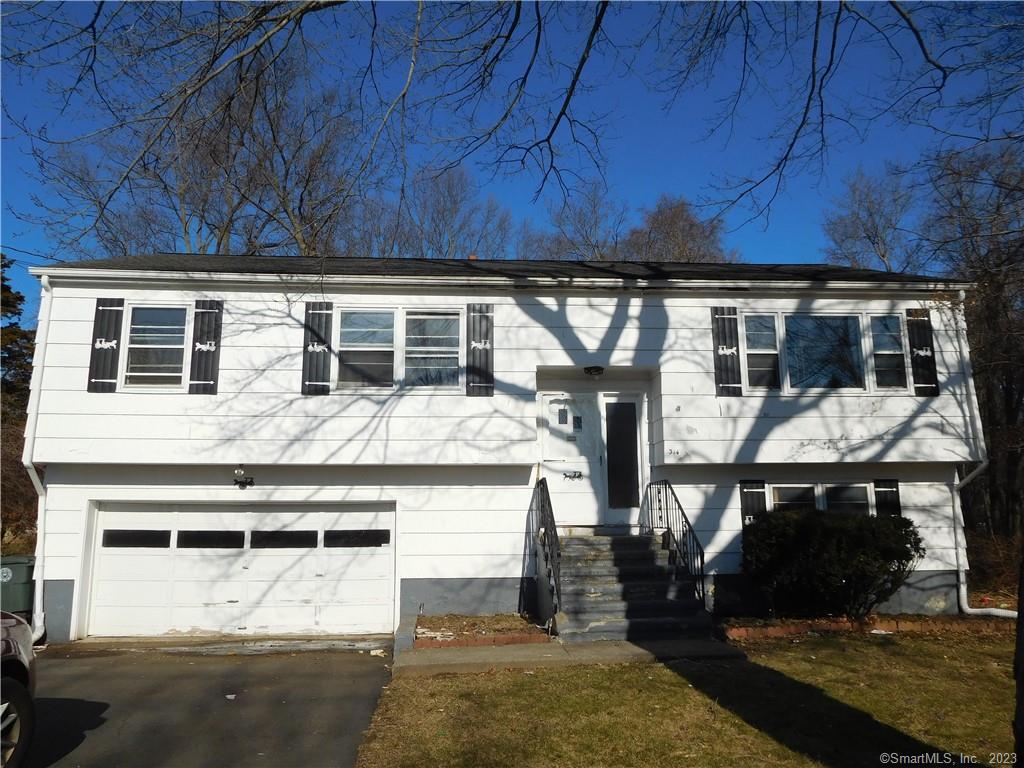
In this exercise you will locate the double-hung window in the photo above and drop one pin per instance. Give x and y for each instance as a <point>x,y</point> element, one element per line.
<point>432,349</point>
<point>887,345</point>
<point>388,348</point>
<point>156,347</point>
<point>762,351</point>
<point>366,349</point>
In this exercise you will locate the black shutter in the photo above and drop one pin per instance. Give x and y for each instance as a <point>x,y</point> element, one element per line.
<point>922,353</point>
<point>480,350</point>
<point>887,498</point>
<point>205,347</point>
<point>725,337</point>
<point>316,349</point>
<point>106,339</point>
<point>752,500</point>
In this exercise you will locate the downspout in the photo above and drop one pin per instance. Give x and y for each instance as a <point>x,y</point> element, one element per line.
<point>38,357</point>
<point>958,515</point>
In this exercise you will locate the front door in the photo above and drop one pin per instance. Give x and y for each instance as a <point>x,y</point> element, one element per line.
<point>592,457</point>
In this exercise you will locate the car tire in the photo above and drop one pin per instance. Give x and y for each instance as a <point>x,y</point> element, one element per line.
<point>18,721</point>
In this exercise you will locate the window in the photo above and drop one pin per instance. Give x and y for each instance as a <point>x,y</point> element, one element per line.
<point>357,538</point>
<point>799,498</point>
<point>283,540</point>
<point>824,352</point>
<point>847,499</point>
<point>211,539</point>
<point>762,351</point>
<point>432,349</point>
<point>887,344</point>
<point>113,537</point>
<point>156,347</point>
<point>366,349</point>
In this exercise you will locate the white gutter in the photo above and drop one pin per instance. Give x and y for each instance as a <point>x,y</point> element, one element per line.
<point>958,514</point>
<point>38,358</point>
<point>136,275</point>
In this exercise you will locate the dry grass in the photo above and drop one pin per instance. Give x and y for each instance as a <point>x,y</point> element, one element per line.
<point>835,701</point>
<point>498,624</point>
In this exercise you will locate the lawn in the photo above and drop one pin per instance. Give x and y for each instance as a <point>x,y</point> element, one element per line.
<point>834,701</point>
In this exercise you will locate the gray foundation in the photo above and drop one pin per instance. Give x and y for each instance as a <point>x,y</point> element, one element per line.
<point>926,592</point>
<point>469,597</point>
<point>58,595</point>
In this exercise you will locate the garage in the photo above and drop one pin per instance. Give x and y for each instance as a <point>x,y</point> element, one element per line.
<point>251,569</point>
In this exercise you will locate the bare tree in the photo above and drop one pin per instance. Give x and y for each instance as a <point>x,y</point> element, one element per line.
<point>672,231</point>
<point>872,226</point>
<point>587,225</point>
<point>511,85</point>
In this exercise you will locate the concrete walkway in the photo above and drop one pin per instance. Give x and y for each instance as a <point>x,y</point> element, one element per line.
<point>438,661</point>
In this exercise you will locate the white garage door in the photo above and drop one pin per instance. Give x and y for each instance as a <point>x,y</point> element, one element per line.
<point>245,569</point>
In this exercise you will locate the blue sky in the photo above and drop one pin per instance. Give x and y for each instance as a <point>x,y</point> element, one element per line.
<point>650,150</point>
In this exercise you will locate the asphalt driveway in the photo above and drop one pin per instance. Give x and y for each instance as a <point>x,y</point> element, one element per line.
<point>146,707</point>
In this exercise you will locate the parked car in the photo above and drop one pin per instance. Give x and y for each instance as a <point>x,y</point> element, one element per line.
<point>17,713</point>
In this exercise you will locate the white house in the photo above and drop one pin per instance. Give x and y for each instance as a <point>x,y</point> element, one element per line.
<point>271,445</point>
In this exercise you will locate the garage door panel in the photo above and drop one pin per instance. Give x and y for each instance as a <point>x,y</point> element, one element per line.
<point>223,582</point>
<point>355,591</point>
<point>357,618</point>
<point>129,593</point>
<point>207,592</point>
<point>129,565</point>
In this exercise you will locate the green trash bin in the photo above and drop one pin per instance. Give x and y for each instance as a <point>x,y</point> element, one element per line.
<point>16,585</point>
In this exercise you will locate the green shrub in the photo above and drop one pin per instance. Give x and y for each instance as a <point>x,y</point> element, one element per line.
<point>817,564</point>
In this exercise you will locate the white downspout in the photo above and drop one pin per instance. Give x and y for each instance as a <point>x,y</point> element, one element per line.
<point>38,358</point>
<point>958,515</point>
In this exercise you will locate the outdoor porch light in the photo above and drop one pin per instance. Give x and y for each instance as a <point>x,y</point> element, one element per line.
<point>241,480</point>
<point>594,370</point>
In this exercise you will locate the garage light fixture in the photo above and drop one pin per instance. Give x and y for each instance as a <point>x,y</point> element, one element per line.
<point>594,370</point>
<point>241,480</point>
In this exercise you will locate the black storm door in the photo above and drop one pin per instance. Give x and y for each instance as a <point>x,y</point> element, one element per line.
<point>623,464</point>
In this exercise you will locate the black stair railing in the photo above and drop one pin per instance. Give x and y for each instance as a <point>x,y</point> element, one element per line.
<point>662,511</point>
<point>542,524</point>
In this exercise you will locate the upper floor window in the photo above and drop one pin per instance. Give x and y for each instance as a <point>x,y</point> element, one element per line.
<point>432,349</point>
<point>813,352</point>
<point>384,348</point>
<point>156,347</point>
<point>366,349</point>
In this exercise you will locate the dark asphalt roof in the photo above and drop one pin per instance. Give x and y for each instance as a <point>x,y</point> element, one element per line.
<point>512,269</point>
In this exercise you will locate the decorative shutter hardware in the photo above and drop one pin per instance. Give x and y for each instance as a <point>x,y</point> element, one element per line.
<point>479,350</point>
<point>922,353</point>
<point>752,500</point>
<point>887,498</point>
<point>106,333</point>
<point>725,338</point>
<point>206,328</point>
<point>316,348</point>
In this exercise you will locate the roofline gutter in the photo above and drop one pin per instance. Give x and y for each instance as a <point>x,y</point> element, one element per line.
<point>488,280</point>
<point>35,384</point>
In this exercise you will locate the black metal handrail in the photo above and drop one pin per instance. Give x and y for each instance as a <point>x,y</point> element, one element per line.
<point>542,524</point>
<point>662,510</point>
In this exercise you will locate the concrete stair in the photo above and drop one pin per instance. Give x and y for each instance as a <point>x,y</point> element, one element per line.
<point>626,588</point>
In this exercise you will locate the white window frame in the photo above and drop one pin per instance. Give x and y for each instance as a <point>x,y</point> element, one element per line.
<point>396,340</point>
<point>186,363</point>
<point>866,350</point>
<point>819,493</point>
<point>399,314</point>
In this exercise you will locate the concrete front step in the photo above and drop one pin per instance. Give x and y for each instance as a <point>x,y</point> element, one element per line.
<point>623,559</point>
<point>573,630</point>
<point>612,588</point>
<point>630,571</point>
<point>581,608</point>
<point>610,543</point>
